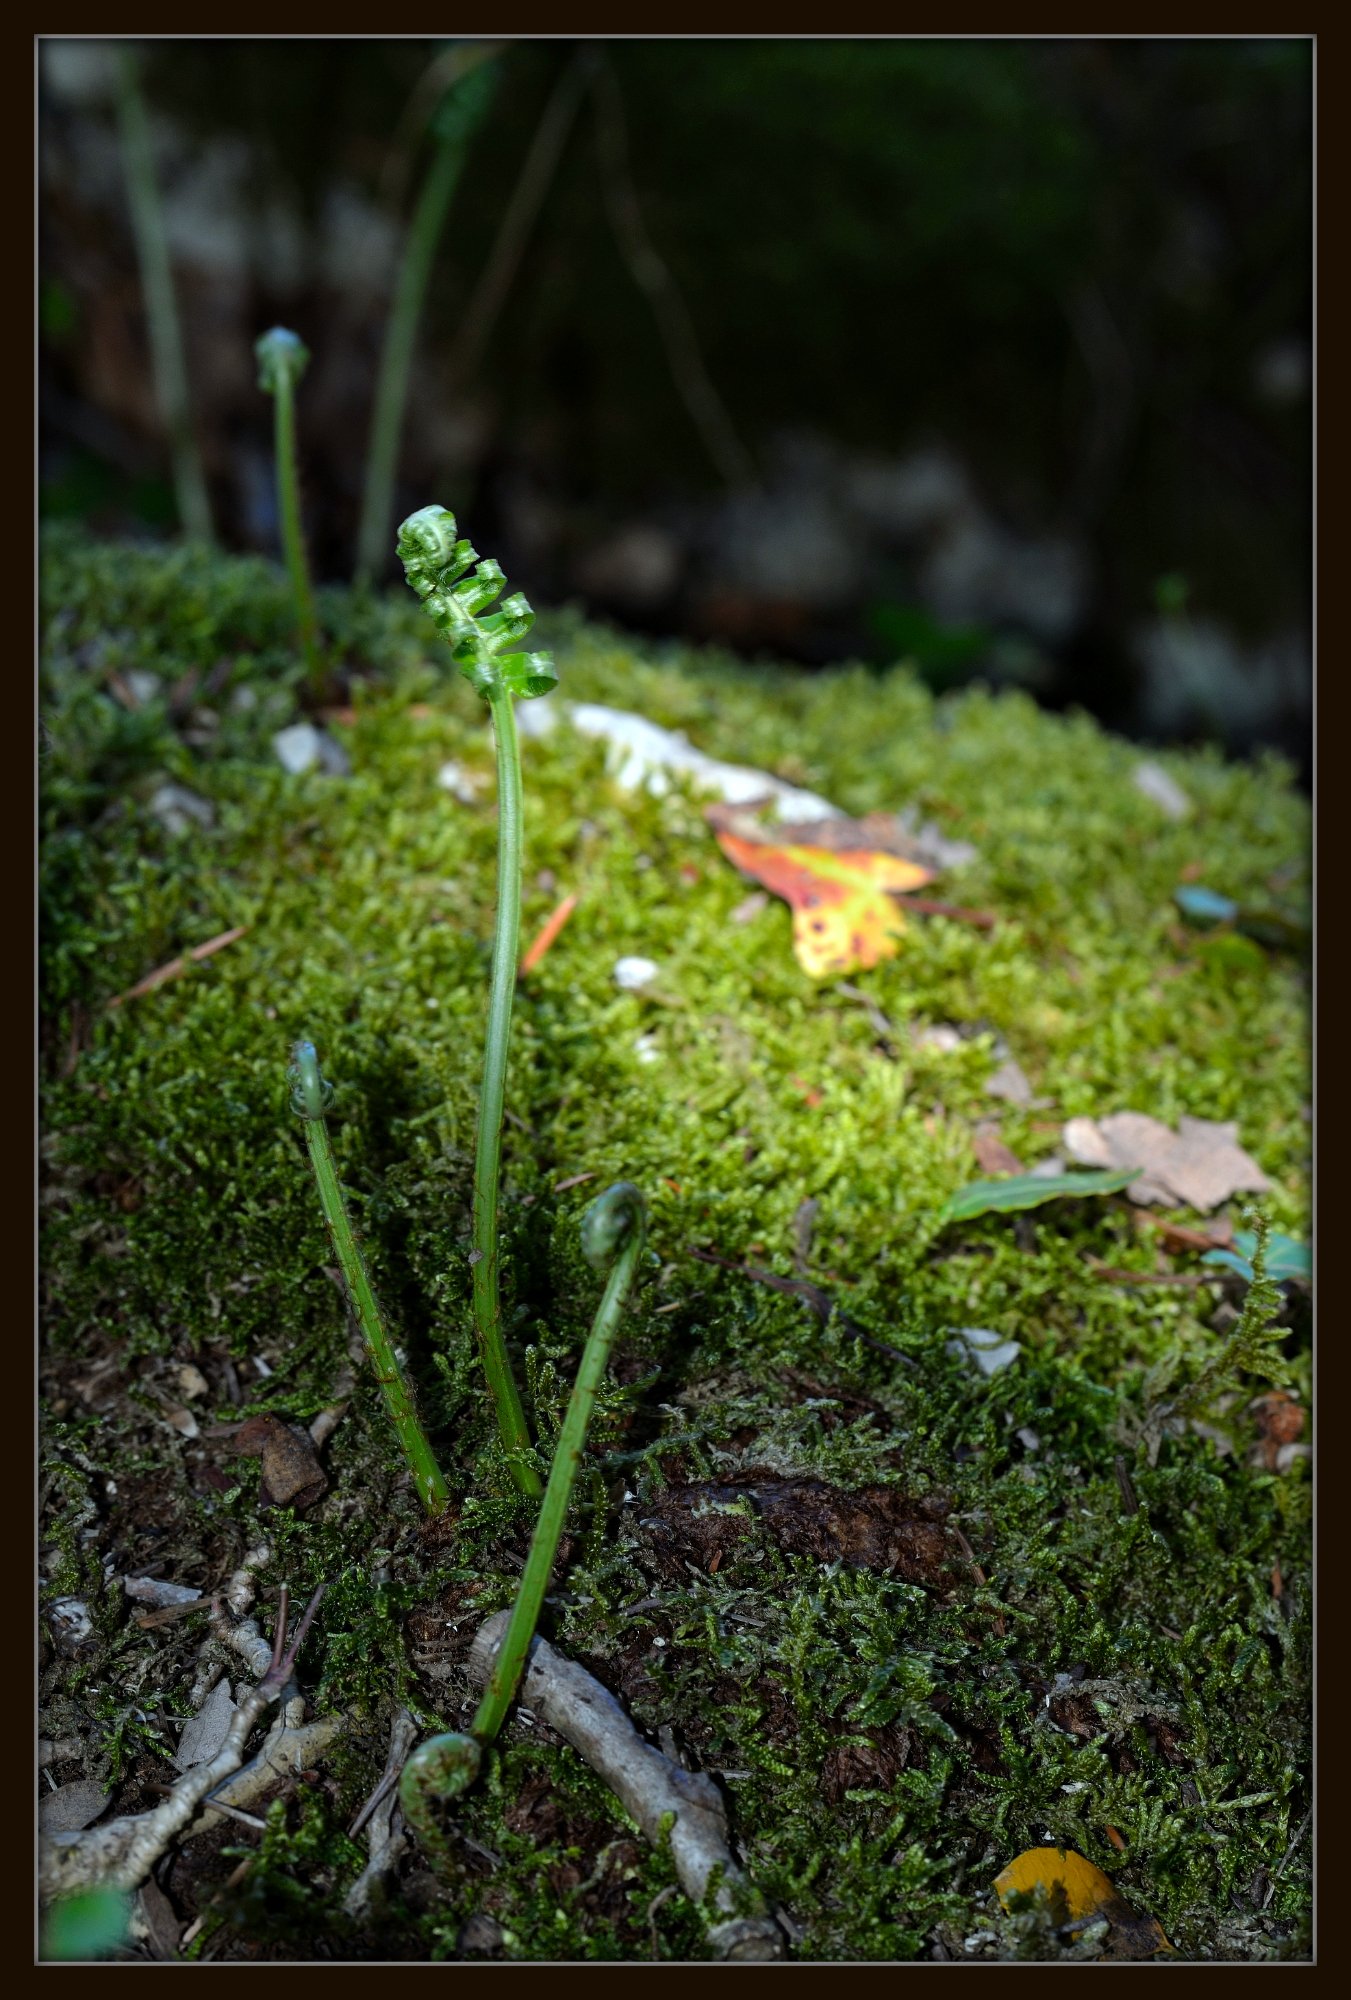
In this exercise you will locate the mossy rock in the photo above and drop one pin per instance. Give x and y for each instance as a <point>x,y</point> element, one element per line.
<point>846,1569</point>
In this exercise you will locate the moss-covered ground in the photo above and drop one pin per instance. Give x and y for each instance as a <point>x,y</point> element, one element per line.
<point>960,1640</point>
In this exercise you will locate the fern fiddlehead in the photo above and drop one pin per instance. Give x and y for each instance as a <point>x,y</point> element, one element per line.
<point>456,586</point>
<point>614,1232</point>
<point>456,589</point>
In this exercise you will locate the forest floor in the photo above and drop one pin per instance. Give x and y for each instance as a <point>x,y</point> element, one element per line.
<point>912,1616</point>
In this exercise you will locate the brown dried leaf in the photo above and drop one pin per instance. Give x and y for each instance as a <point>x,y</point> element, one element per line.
<point>1198,1166</point>
<point>1279,1421</point>
<point>992,1155</point>
<point>292,1474</point>
<point>71,1808</point>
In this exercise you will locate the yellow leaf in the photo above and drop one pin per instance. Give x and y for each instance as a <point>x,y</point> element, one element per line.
<point>843,915</point>
<point>1087,1892</point>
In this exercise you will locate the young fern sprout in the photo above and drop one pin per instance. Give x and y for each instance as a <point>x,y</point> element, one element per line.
<point>456,589</point>
<point>311,1096</point>
<point>614,1231</point>
<point>282,359</point>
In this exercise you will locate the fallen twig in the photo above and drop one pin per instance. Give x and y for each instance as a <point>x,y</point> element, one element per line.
<point>650,1787</point>
<point>1111,1275</point>
<point>552,926</point>
<point>1287,1856</point>
<point>385,1835</point>
<point>176,966</point>
<point>121,1853</point>
<point>821,1303</point>
<point>976,1571</point>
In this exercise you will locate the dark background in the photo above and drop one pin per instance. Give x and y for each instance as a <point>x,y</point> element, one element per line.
<point>994,355</point>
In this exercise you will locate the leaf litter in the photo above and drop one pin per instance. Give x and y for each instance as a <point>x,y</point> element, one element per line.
<point>1198,1166</point>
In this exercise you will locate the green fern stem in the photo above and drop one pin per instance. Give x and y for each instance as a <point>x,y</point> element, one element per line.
<point>456,589</point>
<point>282,359</point>
<point>454,129</point>
<point>310,1098</point>
<point>614,1232</point>
<point>492,1101</point>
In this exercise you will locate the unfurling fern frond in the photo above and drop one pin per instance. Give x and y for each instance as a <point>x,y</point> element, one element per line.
<point>457,588</point>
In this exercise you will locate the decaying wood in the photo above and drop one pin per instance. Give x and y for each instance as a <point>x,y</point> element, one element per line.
<point>120,1854</point>
<point>648,1785</point>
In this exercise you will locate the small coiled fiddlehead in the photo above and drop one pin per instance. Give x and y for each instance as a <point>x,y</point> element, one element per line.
<point>457,588</point>
<point>614,1232</point>
<point>311,1096</point>
<point>282,359</point>
<point>438,566</point>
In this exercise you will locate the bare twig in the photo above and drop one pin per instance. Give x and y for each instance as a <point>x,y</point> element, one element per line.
<point>552,926</point>
<point>178,966</point>
<point>541,163</point>
<point>821,1303</point>
<point>324,1425</point>
<point>649,1786</point>
<point>1302,1829</point>
<point>654,280</point>
<point>385,1834</point>
<point>121,1854</point>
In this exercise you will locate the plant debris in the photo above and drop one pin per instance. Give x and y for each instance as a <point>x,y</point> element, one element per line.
<point>1078,1893</point>
<point>843,915</point>
<point>549,931</point>
<point>1198,1166</point>
<point>666,1801</point>
<point>291,1473</point>
<point>1028,1191</point>
<point>879,1527</point>
<point>177,966</point>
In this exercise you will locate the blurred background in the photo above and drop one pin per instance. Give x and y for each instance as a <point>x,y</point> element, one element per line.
<point>990,355</point>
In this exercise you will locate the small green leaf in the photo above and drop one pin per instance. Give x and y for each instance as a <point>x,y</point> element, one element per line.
<point>1030,1191</point>
<point>1286,1257</point>
<point>88,1925</point>
<point>1205,906</point>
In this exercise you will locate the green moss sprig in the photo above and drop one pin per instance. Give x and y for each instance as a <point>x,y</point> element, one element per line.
<point>456,589</point>
<point>311,1096</point>
<point>282,359</point>
<point>614,1232</point>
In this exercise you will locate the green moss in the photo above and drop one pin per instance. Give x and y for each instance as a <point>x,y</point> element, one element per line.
<point>180,1224</point>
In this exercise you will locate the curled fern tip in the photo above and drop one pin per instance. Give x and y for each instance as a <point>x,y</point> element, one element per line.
<point>456,588</point>
<point>280,352</point>
<point>610,1222</point>
<point>311,1095</point>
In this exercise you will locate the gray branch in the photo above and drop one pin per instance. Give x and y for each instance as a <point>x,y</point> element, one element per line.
<point>648,1785</point>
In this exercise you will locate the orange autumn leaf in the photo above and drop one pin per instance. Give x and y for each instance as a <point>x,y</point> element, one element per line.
<point>843,915</point>
<point>1087,1892</point>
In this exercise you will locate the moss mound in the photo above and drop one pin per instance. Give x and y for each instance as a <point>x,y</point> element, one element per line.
<point>907,1611</point>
